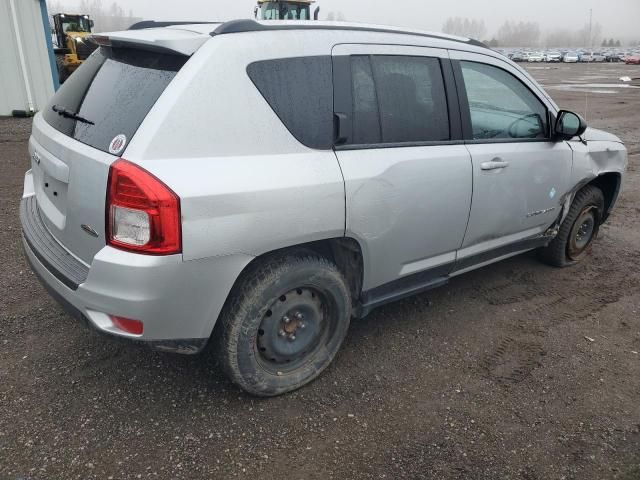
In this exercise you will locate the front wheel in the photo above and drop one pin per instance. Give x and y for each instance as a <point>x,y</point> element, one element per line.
<point>578,230</point>
<point>284,324</point>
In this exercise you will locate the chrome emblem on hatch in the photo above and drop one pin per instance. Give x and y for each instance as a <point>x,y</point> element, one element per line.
<point>36,158</point>
<point>90,230</point>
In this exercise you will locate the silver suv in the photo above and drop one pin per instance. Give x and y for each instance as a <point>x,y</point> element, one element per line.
<point>260,184</point>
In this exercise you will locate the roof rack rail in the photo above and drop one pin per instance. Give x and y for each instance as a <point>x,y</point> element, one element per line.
<point>240,26</point>
<point>153,24</point>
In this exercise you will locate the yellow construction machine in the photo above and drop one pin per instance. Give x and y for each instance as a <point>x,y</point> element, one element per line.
<point>285,10</point>
<point>71,47</point>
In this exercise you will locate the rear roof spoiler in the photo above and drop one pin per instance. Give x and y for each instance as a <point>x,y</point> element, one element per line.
<point>161,40</point>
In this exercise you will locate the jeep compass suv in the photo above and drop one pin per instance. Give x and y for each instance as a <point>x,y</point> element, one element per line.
<point>257,185</point>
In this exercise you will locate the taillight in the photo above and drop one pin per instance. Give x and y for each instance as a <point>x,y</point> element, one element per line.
<point>143,214</point>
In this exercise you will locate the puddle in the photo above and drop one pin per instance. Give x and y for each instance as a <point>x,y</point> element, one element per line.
<point>592,87</point>
<point>585,78</point>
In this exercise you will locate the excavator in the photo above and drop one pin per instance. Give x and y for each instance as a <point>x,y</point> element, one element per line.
<point>285,10</point>
<point>71,45</point>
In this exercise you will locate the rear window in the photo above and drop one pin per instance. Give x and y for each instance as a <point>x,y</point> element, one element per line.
<point>300,92</point>
<point>114,89</point>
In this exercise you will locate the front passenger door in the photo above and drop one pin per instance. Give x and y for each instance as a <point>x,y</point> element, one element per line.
<point>519,173</point>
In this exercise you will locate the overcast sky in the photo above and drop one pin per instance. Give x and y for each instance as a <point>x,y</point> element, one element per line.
<point>619,18</point>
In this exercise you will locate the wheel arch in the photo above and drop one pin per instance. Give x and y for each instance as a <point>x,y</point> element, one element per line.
<point>609,183</point>
<point>345,252</point>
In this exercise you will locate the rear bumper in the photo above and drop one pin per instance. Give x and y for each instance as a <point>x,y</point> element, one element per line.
<point>177,301</point>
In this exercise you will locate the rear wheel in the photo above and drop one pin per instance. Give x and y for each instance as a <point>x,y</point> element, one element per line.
<point>284,325</point>
<point>578,230</point>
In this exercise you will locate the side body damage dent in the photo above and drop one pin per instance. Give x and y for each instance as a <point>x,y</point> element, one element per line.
<point>601,154</point>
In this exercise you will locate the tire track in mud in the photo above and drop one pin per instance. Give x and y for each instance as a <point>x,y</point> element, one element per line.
<point>518,354</point>
<point>513,360</point>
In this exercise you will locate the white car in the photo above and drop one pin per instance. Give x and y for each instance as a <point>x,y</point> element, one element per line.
<point>552,57</point>
<point>593,57</point>
<point>571,57</point>
<point>535,57</point>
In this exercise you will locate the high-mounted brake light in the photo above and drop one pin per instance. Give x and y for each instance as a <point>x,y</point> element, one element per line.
<point>142,213</point>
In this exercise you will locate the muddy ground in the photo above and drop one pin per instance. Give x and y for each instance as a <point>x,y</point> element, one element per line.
<point>490,377</point>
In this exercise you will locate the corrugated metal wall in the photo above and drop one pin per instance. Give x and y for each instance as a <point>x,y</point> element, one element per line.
<point>25,83</point>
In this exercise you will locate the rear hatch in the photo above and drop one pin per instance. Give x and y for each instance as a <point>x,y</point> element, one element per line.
<point>87,126</point>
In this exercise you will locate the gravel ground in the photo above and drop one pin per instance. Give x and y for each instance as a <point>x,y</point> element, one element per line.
<point>491,377</point>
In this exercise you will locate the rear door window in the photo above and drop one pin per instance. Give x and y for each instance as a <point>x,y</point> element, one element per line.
<point>398,99</point>
<point>113,91</point>
<point>366,114</point>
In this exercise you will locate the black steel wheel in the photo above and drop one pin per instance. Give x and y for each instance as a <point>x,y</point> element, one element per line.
<point>578,230</point>
<point>284,323</point>
<point>294,327</point>
<point>582,233</point>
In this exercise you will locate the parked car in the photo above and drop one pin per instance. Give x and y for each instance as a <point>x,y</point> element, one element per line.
<point>571,57</point>
<point>187,187</point>
<point>612,57</point>
<point>519,57</point>
<point>535,57</point>
<point>596,57</point>
<point>552,57</point>
<point>632,60</point>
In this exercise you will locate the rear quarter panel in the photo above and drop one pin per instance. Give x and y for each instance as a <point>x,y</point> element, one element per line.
<point>246,184</point>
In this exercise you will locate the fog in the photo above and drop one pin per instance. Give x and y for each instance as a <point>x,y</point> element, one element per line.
<point>618,18</point>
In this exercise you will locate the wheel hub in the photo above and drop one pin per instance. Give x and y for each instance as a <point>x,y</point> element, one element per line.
<point>292,328</point>
<point>582,233</point>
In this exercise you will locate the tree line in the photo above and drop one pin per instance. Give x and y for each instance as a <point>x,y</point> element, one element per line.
<point>528,34</point>
<point>611,43</point>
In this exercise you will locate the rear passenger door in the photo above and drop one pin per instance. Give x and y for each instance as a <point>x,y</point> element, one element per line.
<point>408,175</point>
<point>520,174</point>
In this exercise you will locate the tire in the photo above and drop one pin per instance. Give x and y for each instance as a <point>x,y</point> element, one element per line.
<point>63,74</point>
<point>578,230</point>
<point>284,323</point>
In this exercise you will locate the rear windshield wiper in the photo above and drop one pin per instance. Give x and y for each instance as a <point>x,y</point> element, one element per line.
<point>68,114</point>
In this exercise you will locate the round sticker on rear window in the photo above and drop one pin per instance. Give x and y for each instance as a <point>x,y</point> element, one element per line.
<point>117,144</point>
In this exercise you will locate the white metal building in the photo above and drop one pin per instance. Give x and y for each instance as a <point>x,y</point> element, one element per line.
<point>28,75</point>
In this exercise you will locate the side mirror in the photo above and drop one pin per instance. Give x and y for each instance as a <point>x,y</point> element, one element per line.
<point>255,11</point>
<point>316,13</point>
<point>569,125</point>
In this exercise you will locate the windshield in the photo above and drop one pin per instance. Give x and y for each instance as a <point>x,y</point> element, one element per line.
<point>284,11</point>
<point>75,24</point>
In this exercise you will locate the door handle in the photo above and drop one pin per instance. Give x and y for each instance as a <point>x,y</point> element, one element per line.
<point>494,165</point>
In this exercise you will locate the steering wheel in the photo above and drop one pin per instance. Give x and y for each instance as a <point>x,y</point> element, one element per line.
<point>513,133</point>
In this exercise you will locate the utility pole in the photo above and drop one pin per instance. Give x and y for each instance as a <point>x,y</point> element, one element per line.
<point>591,28</point>
<point>586,92</point>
